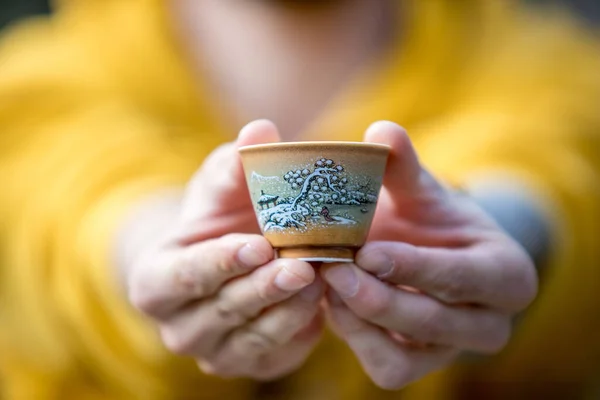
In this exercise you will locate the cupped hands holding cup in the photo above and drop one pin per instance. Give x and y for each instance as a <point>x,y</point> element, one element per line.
<point>437,276</point>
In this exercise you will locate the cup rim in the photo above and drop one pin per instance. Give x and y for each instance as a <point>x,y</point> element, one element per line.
<point>315,143</point>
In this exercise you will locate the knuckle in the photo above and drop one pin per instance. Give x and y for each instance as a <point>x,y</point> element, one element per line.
<point>518,275</point>
<point>265,290</point>
<point>530,289</point>
<point>227,264</point>
<point>392,376</point>
<point>525,283</point>
<point>143,298</point>
<point>176,342</point>
<point>304,313</point>
<point>256,240</point>
<point>455,286</point>
<point>185,271</point>
<point>496,337</point>
<point>294,322</point>
<point>346,324</point>
<point>377,306</point>
<point>229,314</point>
<point>431,327</point>
<point>140,292</point>
<point>406,267</point>
<point>386,368</point>
<point>257,342</point>
<point>207,368</point>
<point>144,301</point>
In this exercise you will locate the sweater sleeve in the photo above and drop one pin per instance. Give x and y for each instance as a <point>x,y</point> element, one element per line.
<point>66,183</point>
<point>73,160</point>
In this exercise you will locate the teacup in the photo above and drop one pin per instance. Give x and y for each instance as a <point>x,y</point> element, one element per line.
<point>315,201</point>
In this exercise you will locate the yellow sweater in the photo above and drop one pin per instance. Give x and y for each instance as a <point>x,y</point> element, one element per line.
<point>98,108</point>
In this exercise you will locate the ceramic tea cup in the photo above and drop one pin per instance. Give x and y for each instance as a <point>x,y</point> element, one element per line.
<point>315,200</point>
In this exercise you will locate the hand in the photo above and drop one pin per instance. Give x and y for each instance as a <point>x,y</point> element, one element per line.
<point>438,276</point>
<point>219,296</point>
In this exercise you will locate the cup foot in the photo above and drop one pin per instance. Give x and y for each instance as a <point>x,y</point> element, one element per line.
<point>318,254</point>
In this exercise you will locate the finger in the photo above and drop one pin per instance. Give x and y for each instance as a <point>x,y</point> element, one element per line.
<point>279,362</point>
<point>416,315</point>
<point>221,181</point>
<point>158,287</point>
<point>405,179</point>
<point>198,330</point>
<point>389,364</point>
<point>289,357</point>
<point>487,274</point>
<point>257,132</point>
<point>244,346</point>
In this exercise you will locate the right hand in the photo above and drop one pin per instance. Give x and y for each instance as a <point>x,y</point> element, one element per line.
<point>221,297</point>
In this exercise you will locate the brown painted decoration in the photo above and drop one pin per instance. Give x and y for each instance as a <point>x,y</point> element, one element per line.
<point>315,200</point>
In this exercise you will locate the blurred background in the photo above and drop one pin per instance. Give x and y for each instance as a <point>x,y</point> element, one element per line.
<point>13,10</point>
<point>588,10</point>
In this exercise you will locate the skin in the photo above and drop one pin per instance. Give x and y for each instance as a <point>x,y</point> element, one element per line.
<point>437,276</point>
<point>220,296</point>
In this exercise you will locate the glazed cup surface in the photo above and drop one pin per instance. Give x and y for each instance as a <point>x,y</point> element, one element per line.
<point>315,200</point>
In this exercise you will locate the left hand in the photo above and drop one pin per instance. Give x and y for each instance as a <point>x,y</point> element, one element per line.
<point>437,277</point>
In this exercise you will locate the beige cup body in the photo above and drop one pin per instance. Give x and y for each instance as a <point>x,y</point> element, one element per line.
<point>315,194</point>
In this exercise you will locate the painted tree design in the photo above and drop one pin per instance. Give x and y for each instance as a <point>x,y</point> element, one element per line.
<point>325,183</point>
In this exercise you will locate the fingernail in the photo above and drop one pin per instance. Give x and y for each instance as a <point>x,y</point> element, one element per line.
<point>310,293</point>
<point>288,281</point>
<point>250,256</point>
<point>343,279</point>
<point>376,262</point>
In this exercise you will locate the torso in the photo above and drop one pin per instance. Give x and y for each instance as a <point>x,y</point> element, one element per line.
<point>285,65</point>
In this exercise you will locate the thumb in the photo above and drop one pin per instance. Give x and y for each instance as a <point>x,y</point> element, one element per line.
<point>405,178</point>
<point>257,132</point>
<point>219,187</point>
